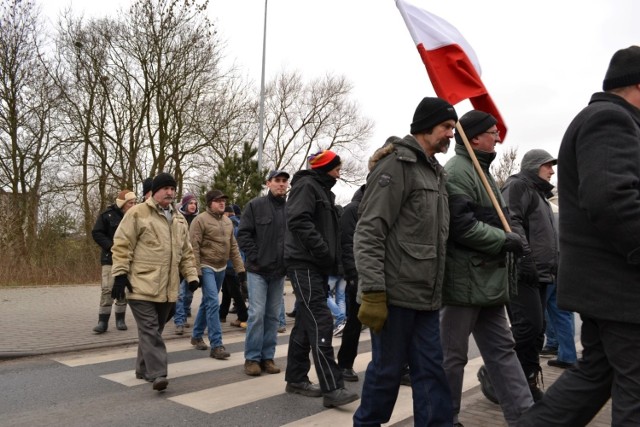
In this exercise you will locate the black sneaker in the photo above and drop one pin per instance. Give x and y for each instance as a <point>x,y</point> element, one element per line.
<point>348,374</point>
<point>548,352</point>
<point>485,385</point>
<point>339,397</point>
<point>160,383</point>
<point>305,388</point>
<point>560,364</point>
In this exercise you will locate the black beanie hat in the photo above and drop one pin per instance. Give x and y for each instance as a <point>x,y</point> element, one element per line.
<point>624,69</point>
<point>162,180</point>
<point>431,112</point>
<point>146,185</point>
<point>474,123</point>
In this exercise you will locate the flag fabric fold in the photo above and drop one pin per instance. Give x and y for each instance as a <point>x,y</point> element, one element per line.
<point>452,65</point>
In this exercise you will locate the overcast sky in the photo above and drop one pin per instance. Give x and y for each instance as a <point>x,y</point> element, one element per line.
<point>541,61</point>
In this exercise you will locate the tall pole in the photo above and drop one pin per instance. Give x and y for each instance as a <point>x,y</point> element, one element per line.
<point>261,114</point>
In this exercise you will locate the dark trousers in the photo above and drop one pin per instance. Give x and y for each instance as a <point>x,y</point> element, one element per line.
<point>312,330</point>
<point>152,353</point>
<point>231,289</point>
<point>609,367</point>
<point>526,314</point>
<point>351,333</point>
<point>413,337</point>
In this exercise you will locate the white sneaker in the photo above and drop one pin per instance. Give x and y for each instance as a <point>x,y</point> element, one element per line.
<point>337,332</point>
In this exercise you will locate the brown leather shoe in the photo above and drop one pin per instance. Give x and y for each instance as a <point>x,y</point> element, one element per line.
<point>269,367</point>
<point>252,368</point>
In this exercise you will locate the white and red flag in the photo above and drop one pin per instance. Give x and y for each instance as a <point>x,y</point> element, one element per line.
<point>451,63</point>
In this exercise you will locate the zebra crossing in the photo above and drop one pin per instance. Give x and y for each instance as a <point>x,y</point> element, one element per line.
<point>247,390</point>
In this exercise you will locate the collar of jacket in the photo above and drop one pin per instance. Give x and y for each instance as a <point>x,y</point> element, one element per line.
<point>484,159</point>
<point>616,99</point>
<point>542,185</point>
<point>217,216</point>
<point>151,202</point>
<point>276,199</point>
<point>412,144</point>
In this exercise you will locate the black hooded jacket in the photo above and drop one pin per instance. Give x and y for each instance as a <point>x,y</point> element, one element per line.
<point>313,229</point>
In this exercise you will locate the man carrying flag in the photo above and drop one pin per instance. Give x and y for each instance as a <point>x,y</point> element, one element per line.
<point>477,274</point>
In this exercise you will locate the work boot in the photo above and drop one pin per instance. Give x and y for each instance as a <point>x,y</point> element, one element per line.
<point>120,325</point>
<point>533,381</point>
<point>339,397</point>
<point>269,367</point>
<point>199,343</point>
<point>252,368</point>
<point>219,353</point>
<point>103,323</point>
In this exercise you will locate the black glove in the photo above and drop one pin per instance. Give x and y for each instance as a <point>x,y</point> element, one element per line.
<point>242,277</point>
<point>527,271</point>
<point>513,243</point>
<point>193,286</point>
<point>119,283</point>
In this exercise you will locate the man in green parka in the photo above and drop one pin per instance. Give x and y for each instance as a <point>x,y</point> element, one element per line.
<point>476,283</point>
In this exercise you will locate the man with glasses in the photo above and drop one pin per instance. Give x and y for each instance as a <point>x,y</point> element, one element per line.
<point>477,273</point>
<point>213,244</point>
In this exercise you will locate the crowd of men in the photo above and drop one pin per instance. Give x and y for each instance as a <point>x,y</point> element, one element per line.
<point>430,255</point>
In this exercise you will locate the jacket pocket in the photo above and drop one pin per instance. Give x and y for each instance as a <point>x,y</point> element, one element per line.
<point>418,264</point>
<point>145,279</point>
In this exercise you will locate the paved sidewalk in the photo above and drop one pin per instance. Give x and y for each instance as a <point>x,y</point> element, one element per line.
<point>57,319</point>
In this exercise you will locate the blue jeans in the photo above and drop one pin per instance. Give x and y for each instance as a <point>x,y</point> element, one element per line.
<point>337,303</point>
<point>183,304</point>
<point>413,337</point>
<point>209,312</point>
<point>265,302</point>
<point>561,325</point>
<point>282,321</point>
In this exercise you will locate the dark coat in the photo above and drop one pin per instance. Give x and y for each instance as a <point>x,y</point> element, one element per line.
<point>599,189</point>
<point>261,235</point>
<point>348,221</point>
<point>312,239</point>
<point>526,195</point>
<point>104,229</point>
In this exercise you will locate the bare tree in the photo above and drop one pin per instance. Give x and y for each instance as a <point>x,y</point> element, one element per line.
<point>303,118</point>
<point>27,101</point>
<point>506,166</point>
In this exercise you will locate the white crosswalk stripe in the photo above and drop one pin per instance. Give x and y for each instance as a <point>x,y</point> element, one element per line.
<point>251,389</point>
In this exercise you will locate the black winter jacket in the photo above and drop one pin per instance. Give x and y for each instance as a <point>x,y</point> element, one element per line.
<point>599,192</point>
<point>104,229</point>
<point>313,229</point>
<point>348,221</point>
<point>261,235</point>
<point>526,195</point>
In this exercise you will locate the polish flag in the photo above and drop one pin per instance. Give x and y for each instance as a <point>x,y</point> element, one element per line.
<point>451,63</point>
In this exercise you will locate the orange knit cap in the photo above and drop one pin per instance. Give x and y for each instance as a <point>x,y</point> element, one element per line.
<point>324,161</point>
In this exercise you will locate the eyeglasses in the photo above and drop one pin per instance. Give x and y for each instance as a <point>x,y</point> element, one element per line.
<point>495,133</point>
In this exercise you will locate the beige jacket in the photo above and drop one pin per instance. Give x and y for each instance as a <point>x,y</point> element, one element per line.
<point>153,252</point>
<point>214,243</point>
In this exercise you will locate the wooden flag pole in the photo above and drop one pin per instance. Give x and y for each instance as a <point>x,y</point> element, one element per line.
<point>483,178</point>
